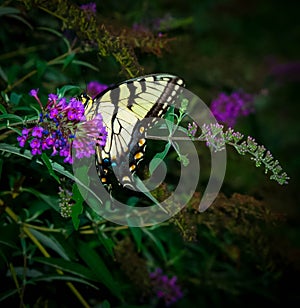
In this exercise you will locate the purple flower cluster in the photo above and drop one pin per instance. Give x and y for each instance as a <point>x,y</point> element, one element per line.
<point>192,129</point>
<point>95,87</point>
<point>165,288</point>
<point>63,126</point>
<point>89,8</point>
<point>227,108</point>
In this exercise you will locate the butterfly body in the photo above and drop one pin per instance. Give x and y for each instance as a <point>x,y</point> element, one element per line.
<point>128,110</point>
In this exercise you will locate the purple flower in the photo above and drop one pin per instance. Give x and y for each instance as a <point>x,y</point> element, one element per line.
<point>95,87</point>
<point>22,140</point>
<point>25,131</point>
<point>62,125</point>
<point>88,135</point>
<point>75,110</point>
<point>90,9</point>
<point>52,97</point>
<point>37,131</point>
<point>227,108</point>
<point>35,143</point>
<point>34,93</point>
<point>165,288</point>
<point>69,159</point>
<point>36,151</point>
<point>53,113</point>
<point>192,129</point>
<point>45,145</point>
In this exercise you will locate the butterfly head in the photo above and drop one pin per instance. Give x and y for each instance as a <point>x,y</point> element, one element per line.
<point>86,99</point>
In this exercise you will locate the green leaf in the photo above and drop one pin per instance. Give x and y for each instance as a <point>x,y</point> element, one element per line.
<point>68,266</point>
<point>24,21</point>
<point>68,60</point>
<point>96,264</point>
<point>105,304</point>
<point>36,209</point>
<point>7,294</point>
<point>48,164</point>
<point>51,242</point>
<point>57,167</point>
<point>107,242</point>
<point>157,242</point>
<point>77,208</point>
<point>140,185</point>
<point>68,88</point>
<point>55,277</point>
<point>137,235</point>
<point>3,74</point>
<point>158,157</point>
<point>86,64</point>
<point>11,117</point>
<point>41,67</point>
<point>8,10</point>
<point>2,109</point>
<point>52,201</point>
<point>57,33</point>
<point>170,115</point>
<point>15,98</point>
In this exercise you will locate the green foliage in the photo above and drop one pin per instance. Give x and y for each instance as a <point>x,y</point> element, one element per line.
<point>244,249</point>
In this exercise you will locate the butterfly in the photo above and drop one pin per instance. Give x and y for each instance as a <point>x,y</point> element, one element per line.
<point>124,108</point>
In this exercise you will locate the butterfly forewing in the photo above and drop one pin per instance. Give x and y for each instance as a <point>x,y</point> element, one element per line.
<point>123,107</point>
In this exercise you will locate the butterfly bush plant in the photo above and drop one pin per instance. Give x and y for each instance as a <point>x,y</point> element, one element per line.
<point>55,249</point>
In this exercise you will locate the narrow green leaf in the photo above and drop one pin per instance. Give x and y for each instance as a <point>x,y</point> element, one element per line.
<point>8,10</point>
<point>48,164</point>
<point>51,242</point>
<point>107,242</point>
<point>68,266</point>
<point>170,115</point>
<point>24,21</point>
<point>57,33</point>
<point>2,109</point>
<point>62,91</point>
<point>86,64</point>
<point>52,201</point>
<point>11,117</point>
<point>157,242</point>
<point>55,277</point>
<point>137,235</point>
<point>68,60</point>
<point>3,74</point>
<point>140,185</point>
<point>57,167</point>
<point>7,294</point>
<point>96,264</point>
<point>158,157</point>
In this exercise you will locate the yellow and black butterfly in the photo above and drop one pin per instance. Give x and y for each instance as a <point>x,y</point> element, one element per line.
<point>123,107</point>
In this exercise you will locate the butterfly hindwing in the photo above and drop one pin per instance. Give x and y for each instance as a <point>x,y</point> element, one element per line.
<point>123,107</point>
